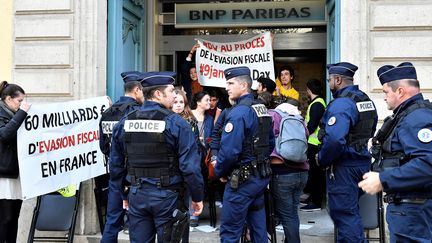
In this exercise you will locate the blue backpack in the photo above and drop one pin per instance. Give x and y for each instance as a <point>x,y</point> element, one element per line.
<point>292,142</point>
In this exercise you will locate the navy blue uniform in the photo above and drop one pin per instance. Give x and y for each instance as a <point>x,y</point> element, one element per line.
<point>409,222</point>
<point>348,165</point>
<point>217,131</point>
<point>151,206</point>
<point>247,202</point>
<point>115,211</point>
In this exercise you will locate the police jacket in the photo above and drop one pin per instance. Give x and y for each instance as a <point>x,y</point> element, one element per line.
<point>216,134</point>
<point>240,126</point>
<point>412,137</point>
<point>339,121</point>
<point>179,136</point>
<point>8,141</point>
<point>111,116</point>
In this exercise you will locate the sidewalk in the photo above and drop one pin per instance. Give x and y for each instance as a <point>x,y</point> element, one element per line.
<point>314,227</point>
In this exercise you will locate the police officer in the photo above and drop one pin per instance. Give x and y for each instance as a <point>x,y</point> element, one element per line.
<point>348,123</point>
<point>157,149</point>
<point>133,98</point>
<point>243,158</point>
<point>404,149</point>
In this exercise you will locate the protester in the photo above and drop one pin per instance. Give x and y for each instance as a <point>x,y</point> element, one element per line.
<point>162,156</point>
<point>284,85</point>
<point>265,85</point>
<point>200,104</point>
<point>243,157</point>
<point>214,110</point>
<point>13,111</point>
<point>316,178</point>
<point>403,152</point>
<point>189,75</point>
<point>348,123</point>
<point>181,107</point>
<point>288,178</point>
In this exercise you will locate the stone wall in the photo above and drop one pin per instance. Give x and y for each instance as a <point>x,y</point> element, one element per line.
<point>59,54</point>
<point>380,32</point>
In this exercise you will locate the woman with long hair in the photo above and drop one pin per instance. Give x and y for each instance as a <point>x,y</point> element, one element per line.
<point>13,111</point>
<point>181,107</point>
<point>200,104</point>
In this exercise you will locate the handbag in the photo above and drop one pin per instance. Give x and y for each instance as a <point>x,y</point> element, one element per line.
<point>210,168</point>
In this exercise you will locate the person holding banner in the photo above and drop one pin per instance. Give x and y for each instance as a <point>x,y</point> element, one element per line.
<point>246,143</point>
<point>284,84</point>
<point>13,111</point>
<point>132,99</point>
<point>162,156</point>
<point>189,75</point>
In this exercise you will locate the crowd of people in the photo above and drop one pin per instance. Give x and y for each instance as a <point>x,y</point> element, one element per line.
<point>159,172</point>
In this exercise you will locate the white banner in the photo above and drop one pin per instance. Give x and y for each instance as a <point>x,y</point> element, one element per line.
<point>58,145</point>
<point>212,58</point>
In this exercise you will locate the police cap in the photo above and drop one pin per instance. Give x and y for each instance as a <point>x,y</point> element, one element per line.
<point>267,83</point>
<point>150,79</point>
<point>131,76</point>
<point>390,73</point>
<point>342,68</point>
<point>236,71</point>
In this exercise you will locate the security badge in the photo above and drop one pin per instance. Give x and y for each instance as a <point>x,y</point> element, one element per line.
<point>425,135</point>
<point>155,126</point>
<point>229,127</point>
<point>331,121</point>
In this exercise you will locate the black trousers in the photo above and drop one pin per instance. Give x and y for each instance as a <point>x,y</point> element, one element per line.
<point>316,185</point>
<point>9,214</point>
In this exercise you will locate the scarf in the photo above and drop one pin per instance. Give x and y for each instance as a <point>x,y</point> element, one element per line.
<point>6,108</point>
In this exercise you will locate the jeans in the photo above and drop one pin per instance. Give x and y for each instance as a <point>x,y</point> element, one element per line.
<point>286,190</point>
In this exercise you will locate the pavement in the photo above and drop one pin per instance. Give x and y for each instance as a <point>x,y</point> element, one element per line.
<point>314,227</point>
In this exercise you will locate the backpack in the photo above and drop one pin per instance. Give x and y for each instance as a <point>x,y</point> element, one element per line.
<point>292,142</point>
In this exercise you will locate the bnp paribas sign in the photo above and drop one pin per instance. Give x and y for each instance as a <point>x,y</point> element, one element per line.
<point>290,13</point>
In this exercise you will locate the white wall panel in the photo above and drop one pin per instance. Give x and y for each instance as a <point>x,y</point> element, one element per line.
<point>43,5</point>
<point>43,54</point>
<point>406,45</point>
<point>401,14</point>
<point>39,26</point>
<point>45,82</point>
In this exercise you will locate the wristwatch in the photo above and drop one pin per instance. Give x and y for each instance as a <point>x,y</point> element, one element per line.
<point>213,158</point>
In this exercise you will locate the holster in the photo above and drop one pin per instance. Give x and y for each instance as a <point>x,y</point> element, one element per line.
<point>385,164</point>
<point>173,230</point>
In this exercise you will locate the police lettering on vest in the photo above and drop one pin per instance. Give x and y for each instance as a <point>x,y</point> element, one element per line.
<point>107,127</point>
<point>144,126</point>
<point>260,110</point>
<point>365,106</point>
